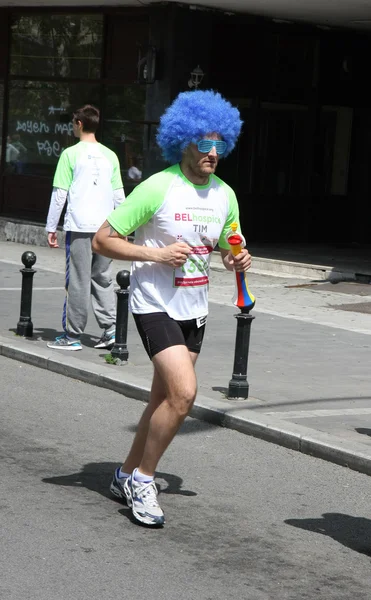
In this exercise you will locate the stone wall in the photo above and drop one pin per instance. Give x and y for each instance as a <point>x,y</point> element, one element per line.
<point>25,232</point>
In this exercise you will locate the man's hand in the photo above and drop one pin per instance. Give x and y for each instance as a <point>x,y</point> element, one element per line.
<point>241,262</point>
<point>176,254</point>
<point>52,239</point>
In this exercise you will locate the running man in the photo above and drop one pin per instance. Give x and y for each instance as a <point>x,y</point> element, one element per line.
<point>179,216</point>
<point>88,177</point>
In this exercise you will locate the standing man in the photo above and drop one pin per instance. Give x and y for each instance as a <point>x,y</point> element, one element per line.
<point>179,216</point>
<point>88,177</point>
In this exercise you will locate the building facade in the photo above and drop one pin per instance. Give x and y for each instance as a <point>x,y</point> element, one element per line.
<point>300,169</point>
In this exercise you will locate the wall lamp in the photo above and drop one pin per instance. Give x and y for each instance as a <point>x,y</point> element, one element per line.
<point>146,64</point>
<point>197,76</point>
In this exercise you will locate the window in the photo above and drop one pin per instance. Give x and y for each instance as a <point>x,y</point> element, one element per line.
<point>125,34</point>
<point>124,129</point>
<point>39,123</point>
<point>57,46</point>
<point>59,61</point>
<point>1,116</point>
<point>282,150</point>
<point>330,176</point>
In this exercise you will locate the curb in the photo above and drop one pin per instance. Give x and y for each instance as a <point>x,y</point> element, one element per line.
<point>229,414</point>
<point>286,268</point>
<point>32,233</point>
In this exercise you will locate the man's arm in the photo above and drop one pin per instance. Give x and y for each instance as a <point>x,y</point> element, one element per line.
<point>57,203</point>
<point>241,262</point>
<point>108,242</point>
<point>61,184</point>
<point>116,182</point>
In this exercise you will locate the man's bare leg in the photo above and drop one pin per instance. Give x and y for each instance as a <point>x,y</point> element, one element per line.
<point>175,368</point>
<point>136,451</point>
<point>157,396</point>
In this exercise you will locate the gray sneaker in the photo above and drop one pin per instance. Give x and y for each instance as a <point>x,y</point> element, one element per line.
<point>64,343</point>
<point>107,340</point>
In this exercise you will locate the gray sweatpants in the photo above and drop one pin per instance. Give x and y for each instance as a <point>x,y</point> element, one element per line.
<point>88,275</point>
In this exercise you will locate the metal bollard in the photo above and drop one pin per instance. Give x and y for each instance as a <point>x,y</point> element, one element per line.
<point>238,385</point>
<point>119,351</point>
<point>24,325</point>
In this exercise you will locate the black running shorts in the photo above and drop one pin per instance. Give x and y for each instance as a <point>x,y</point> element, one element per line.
<point>159,331</point>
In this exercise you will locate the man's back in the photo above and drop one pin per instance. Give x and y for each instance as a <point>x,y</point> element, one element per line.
<point>90,172</point>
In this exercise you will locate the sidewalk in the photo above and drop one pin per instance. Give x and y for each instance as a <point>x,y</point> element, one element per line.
<point>309,384</point>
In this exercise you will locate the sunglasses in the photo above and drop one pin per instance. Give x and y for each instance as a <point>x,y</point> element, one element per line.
<point>205,146</point>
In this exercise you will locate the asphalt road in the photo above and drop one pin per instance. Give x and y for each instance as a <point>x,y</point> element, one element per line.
<point>245,519</point>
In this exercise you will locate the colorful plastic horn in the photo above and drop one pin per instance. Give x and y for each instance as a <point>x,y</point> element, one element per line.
<point>242,298</point>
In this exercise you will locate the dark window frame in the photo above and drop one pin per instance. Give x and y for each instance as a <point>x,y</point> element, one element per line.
<point>103,82</point>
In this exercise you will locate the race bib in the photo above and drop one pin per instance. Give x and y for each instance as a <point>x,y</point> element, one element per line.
<point>195,271</point>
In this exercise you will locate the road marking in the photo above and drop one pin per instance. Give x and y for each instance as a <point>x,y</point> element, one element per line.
<point>37,267</point>
<point>10,262</point>
<point>320,412</point>
<point>36,289</point>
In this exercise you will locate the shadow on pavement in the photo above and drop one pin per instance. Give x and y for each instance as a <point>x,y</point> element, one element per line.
<point>97,477</point>
<point>222,390</point>
<point>352,532</point>
<point>363,431</point>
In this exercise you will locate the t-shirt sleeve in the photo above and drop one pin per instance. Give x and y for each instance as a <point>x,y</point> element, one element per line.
<point>116,180</point>
<point>140,206</point>
<point>64,172</point>
<point>233,217</point>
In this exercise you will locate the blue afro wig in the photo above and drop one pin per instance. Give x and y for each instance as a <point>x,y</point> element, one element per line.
<point>193,115</point>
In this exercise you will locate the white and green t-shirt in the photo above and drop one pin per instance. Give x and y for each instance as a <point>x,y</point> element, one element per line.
<point>90,173</point>
<point>164,209</point>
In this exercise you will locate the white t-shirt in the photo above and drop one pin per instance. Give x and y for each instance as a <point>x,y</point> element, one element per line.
<point>90,173</point>
<point>168,208</point>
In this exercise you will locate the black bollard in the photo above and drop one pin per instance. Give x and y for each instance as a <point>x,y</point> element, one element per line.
<point>238,385</point>
<point>24,325</point>
<point>119,351</point>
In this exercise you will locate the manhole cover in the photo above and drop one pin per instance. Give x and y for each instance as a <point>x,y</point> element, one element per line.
<point>342,287</point>
<point>359,307</point>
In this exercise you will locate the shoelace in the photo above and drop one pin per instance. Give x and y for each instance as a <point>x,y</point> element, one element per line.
<point>149,492</point>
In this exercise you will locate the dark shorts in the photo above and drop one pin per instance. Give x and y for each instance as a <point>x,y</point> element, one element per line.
<point>159,331</point>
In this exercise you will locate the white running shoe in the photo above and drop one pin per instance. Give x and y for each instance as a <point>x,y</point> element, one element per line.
<point>142,499</point>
